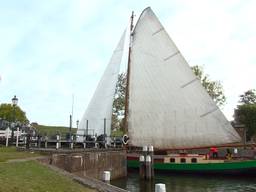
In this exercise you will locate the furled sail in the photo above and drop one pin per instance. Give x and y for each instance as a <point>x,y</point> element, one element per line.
<point>100,106</point>
<point>168,107</point>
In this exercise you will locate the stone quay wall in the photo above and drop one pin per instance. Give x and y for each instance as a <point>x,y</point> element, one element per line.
<point>92,163</point>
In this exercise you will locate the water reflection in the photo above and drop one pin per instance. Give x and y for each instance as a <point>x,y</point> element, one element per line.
<point>190,183</point>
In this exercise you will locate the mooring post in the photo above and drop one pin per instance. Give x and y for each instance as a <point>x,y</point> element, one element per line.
<point>17,136</point>
<point>151,153</point>
<point>160,187</point>
<point>148,167</point>
<point>145,151</point>
<point>142,167</point>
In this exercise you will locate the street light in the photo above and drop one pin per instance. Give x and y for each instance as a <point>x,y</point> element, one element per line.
<point>14,103</point>
<point>14,100</point>
<point>77,123</point>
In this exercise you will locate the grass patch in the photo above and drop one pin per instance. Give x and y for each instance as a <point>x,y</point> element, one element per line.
<point>117,133</point>
<point>8,153</point>
<point>31,176</point>
<point>53,130</point>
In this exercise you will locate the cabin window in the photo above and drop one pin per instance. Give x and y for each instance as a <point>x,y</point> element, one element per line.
<point>183,160</point>
<point>172,160</point>
<point>194,160</point>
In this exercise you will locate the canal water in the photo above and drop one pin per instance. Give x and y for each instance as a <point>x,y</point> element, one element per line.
<point>188,183</point>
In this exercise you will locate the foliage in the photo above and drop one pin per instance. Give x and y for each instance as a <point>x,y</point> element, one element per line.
<point>12,113</point>
<point>214,88</point>
<point>249,97</point>
<point>31,176</point>
<point>119,103</point>
<point>117,133</point>
<point>246,114</point>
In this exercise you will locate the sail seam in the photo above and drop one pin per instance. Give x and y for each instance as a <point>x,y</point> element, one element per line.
<point>161,29</point>
<point>209,112</point>
<point>169,57</point>
<point>117,50</point>
<point>190,82</point>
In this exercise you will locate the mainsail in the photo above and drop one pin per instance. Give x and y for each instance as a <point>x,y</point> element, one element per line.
<point>168,107</point>
<point>100,106</point>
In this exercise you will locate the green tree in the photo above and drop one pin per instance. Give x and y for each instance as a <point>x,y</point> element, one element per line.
<point>119,103</point>
<point>214,88</point>
<point>249,97</point>
<point>12,113</point>
<point>246,112</point>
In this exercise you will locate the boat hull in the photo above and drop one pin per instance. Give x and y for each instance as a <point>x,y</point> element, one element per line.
<point>237,167</point>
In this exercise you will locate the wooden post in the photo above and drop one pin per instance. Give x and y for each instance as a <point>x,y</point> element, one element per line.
<point>151,153</point>
<point>142,167</point>
<point>148,167</point>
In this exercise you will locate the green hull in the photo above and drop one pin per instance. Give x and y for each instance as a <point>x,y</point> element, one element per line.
<point>248,166</point>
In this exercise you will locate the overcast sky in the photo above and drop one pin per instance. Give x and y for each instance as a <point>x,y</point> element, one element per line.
<point>52,49</point>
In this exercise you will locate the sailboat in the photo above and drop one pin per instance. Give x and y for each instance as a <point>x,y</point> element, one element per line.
<point>166,105</point>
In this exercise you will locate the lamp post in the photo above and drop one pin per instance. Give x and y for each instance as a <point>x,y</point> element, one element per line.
<point>77,123</point>
<point>14,104</point>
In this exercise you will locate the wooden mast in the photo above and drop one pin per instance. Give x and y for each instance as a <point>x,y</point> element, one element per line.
<point>128,78</point>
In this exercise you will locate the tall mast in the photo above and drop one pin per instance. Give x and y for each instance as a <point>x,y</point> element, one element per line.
<point>128,78</point>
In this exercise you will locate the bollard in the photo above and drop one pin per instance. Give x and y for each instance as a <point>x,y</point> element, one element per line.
<point>106,176</point>
<point>17,137</point>
<point>142,167</point>
<point>148,167</point>
<point>160,187</point>
<point>151,153</point>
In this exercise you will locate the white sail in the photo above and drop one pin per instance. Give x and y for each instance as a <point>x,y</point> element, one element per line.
<point>168,107</point>
<point>100,106</point>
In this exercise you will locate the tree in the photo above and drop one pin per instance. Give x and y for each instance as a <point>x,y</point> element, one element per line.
<point>12,113</point>
<point>214,88</point>
<point>119,103</point>
<point>246,112</point>
<point>249,97</point>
